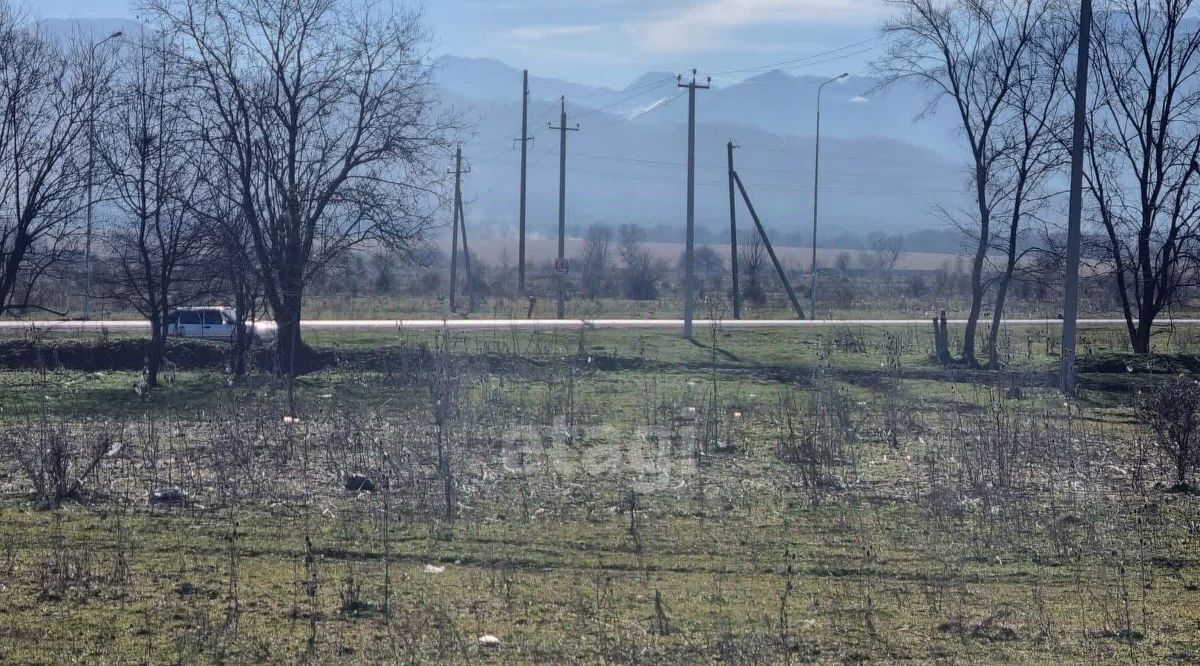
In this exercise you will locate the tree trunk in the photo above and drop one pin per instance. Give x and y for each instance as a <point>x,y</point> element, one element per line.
<point>997,321</point>
<point>158,305</point>
<point>968,355</point>
<point>243,337</point>
<point>1145,326</point>
<point>241,343</point>
<point>981,250</point>
<point>998,307</point>
<point>293,356</point>
<point>155,352</point>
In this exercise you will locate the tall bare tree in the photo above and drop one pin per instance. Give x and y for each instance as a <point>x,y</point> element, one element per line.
<point>1031,152</point>
<point>322,111</point>
<point>597,255</point>
<point>157,245</point>
<point>642,272</point>
<point>969,53</point>
<point>1143,147</point>
<point>884,252</point>
<point>49,90</point>
<point>752,257</point>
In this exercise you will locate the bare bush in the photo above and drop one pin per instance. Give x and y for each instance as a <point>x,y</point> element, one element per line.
<point>1172,411</point>
<point>54,459</point>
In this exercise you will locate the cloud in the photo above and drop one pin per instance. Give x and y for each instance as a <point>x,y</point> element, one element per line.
<point>537,33</point>
<point>859,99</point>
<point>699,27</point>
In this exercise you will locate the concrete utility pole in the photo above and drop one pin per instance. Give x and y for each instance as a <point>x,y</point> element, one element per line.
<point>689,287</point>
<point>458,172</point>
<point>462,227</point>
<point>812,286</point>
<point>560,265</point>
<point>87,251</point>
<point>733,251</point>
<point>1071,284</point>
<point>525,139</point>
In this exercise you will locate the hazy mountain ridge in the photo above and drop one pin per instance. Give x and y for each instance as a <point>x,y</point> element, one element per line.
<point>774,101</point>
<point>627,164</point>
<point>880,171</point>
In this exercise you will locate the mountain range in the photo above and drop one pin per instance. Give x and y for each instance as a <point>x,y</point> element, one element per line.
<point>887,163</point>
<point>882,169</point>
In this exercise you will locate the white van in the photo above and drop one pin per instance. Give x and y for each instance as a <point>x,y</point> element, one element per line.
<point>211,323</point>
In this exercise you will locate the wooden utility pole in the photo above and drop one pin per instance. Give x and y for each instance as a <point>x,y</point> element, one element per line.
<point>1075,212</point>
<point>762,232</point>
<point>458,217</point>
<point>525,139</point>
<point>560,265</point>
<point>689,287</point>
<point>733,250</point>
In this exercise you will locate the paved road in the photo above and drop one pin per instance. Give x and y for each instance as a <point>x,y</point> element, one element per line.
<point>526,324</point>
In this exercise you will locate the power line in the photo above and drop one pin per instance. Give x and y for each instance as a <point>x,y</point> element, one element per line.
<point>636,93</point>
<point>715,167</point>
<point>801,60</point>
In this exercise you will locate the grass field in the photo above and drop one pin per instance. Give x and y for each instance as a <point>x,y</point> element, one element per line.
<point>605,497</point>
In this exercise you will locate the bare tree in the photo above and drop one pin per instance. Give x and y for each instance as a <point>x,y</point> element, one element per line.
<point>1030,154</point>
<point>841,263</point>
<point>322,111</point>
<point>969,52</point>
<point>240,274</point>
<point>156,242</point>
<point>642,272</point>
<point>710,269</point>
<point>1172,411</point>
<point>884,252</point>
<point>752,258</point>
<point>1143,148</point>
<point>231,256</point>
<point>597,243</point>
<point>49,91</point>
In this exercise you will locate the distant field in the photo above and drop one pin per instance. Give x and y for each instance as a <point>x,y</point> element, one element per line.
<point>540,250</point>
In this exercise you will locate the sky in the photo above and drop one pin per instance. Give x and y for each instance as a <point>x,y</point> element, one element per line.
<point>613,42</point>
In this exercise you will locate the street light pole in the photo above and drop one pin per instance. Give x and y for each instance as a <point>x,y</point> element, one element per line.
<point>812,287</point>
<point>87,291</point>
<point>1075,204</point>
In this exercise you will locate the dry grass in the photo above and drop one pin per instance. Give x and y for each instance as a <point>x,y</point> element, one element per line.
<point>677,509</point>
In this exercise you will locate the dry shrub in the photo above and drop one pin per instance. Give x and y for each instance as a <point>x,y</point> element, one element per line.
<point>1172,411</point>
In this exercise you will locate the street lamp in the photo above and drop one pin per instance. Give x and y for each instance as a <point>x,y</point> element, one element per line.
<point>87,292</point>
<point>812,304</point>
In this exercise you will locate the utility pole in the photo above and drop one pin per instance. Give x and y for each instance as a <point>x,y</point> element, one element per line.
<point>91,165</point>
<point>1071,285</point>
<point>689,293</point>
<point>733,250</point>
<point>762,233</point>
<point>812,286</point>
<point>458,172</point>
<point>560,266</point>
<point>462,227</point>
<point>525,139</point>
